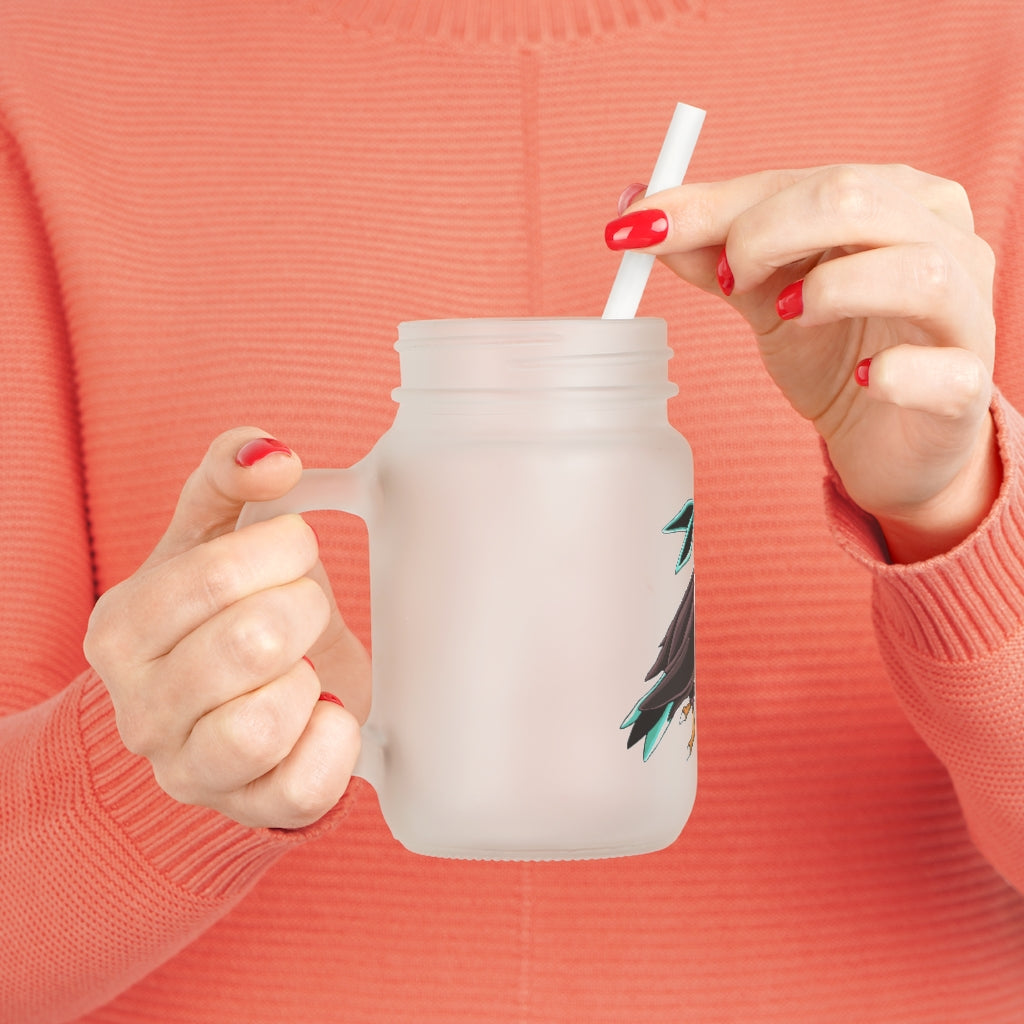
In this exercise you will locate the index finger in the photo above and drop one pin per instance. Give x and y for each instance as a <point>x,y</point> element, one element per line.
<point>700,214</point>
<point>171,599</point>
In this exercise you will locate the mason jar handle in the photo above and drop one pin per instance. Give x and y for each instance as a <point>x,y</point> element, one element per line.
<point>332,490</point>
<point>329,490</point>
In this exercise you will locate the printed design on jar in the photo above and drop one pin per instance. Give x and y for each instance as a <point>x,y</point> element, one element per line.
<point>673,670</point>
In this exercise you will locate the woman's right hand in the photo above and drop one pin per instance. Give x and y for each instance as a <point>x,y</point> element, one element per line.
<point>203,650</point>
<point>871,299</point>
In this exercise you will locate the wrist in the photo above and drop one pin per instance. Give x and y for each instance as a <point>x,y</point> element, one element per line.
<point>949,518</point>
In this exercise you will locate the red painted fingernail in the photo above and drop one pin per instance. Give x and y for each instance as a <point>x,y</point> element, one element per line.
<point>331,698</point>
<point>724,274</point>
<point>309,663</point>
<point>790,303</point>
<point>628,195</point>
<point>637,230</point>
<point>252,451</point>
<point>861,373</point>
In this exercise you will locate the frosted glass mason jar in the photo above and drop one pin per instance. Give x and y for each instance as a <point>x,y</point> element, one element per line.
<point>530,517</point>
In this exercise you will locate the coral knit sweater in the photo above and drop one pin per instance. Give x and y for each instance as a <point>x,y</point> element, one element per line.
<point>215,213</point>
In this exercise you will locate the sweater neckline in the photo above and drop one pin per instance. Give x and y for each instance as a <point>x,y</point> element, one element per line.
<point>522,22</point>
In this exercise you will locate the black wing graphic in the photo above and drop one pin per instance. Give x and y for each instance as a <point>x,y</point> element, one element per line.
<point>673,669</point>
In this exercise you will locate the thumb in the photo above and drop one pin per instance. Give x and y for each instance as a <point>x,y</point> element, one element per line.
<point>241,465</point>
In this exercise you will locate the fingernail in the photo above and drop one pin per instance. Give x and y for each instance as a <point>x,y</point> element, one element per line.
<point>724,274</point>
<point>309,663</point>
<point>331,698</point>
<point>790,303</point>
<point>637,230</point>
<point>252,451</point>
<point>629,194</point>
<point>861,373</point>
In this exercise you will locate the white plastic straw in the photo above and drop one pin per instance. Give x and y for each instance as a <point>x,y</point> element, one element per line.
<point>674,158</point>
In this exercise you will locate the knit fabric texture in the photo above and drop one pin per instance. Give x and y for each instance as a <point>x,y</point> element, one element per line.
<point>215,214</point>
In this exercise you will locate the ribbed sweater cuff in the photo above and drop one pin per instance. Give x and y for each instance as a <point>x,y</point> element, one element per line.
<point>964,603</point>
<point>194,848</point>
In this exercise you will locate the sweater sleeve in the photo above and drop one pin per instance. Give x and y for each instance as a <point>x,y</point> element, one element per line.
<point>102,876</point>
<point>951,630</point>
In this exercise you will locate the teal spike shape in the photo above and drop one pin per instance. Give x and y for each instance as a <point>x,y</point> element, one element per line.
<point>653,738</point>
<point>654,735</point>
<point>633,715</point>
<point>682,523</point>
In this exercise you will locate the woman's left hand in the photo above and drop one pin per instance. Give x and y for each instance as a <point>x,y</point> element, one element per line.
<point>870,297</point>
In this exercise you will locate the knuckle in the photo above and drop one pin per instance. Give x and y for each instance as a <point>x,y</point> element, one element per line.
<point>104,642</point>
<point>903,173</point>
<point>971,382</point>
<point>954,196</point>
<point>958,384</point>
<point>326,769</point>
<point>848,194</point>
<point>254,641</point>
<point>263,634</point>
<point>777,180</point>
<point>220,581</point>
<point>931,271</point>
<point>254,733</point>
<point>96,642</point>
<point>950,201</point>
<point>309,795</point>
